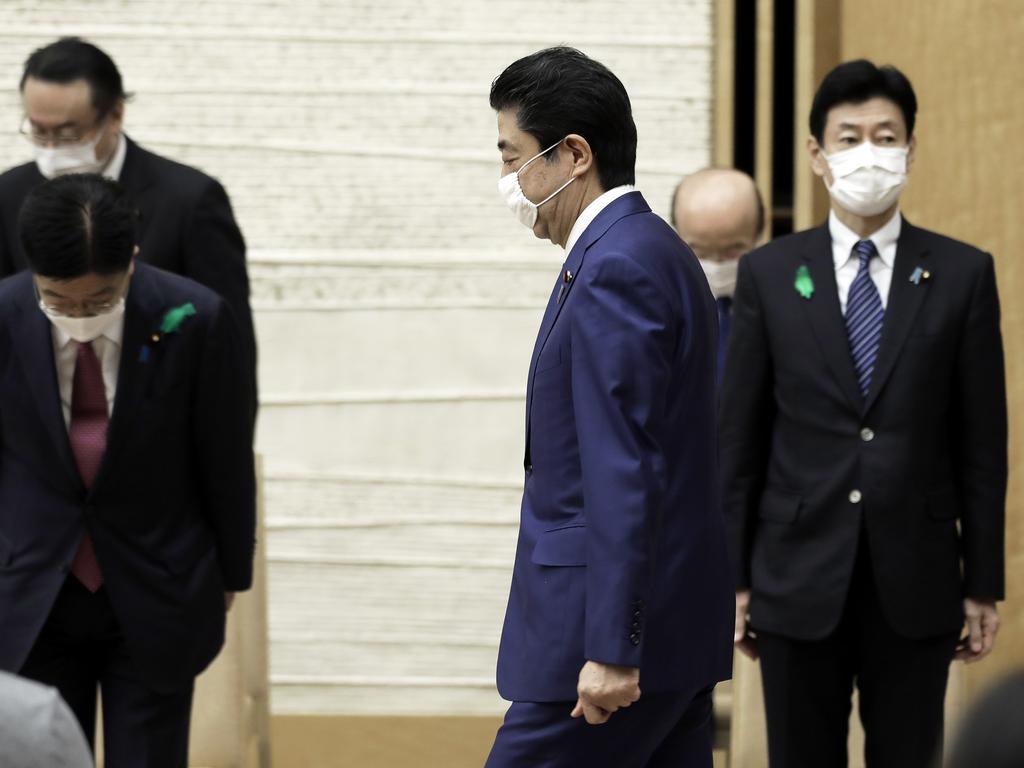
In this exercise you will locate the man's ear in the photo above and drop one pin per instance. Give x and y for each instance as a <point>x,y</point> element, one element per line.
<point>581,154</point>
<point>116,116</point>
<point>911,151</point>
<point>819,163</point>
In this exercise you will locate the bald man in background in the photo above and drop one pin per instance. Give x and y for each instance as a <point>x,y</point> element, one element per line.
<point>720,215</point>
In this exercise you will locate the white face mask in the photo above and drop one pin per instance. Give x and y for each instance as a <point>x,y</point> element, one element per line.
<point>721,276</point>
<point>867,179</point>
<point>76,158</point>
<point>510,190</point>
<point>85,329</point>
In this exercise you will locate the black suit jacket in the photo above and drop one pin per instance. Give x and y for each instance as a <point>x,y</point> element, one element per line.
<point>172,510</point>
<point>926,450</point>
<point>186,227</point>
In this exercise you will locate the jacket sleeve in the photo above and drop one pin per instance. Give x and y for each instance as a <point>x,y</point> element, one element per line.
<point>223,437</point>
<point>746,416</point>
<point>980,439</point>
<point>623,343</point>
<point>214,255</point>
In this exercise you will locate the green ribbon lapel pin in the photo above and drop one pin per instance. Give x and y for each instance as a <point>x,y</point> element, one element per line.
<point>171,323</point>
<point>803,283</point>
<point>175,317</point>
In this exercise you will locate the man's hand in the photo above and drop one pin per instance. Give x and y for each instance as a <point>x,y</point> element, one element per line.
<point>229,600</point>
<point>741,637</point>
<point>604,688</point>
<point>982,624</point>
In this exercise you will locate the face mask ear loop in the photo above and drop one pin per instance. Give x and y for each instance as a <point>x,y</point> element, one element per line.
<point>539,154</point>
<point>570,181</point>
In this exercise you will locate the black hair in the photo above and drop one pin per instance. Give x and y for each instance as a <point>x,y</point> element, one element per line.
<point>558,91</point>
<point>854,82</point>
<point>78,224</point>
<point>989,735</point>
<point>759,204</point>
<point>72,58</point>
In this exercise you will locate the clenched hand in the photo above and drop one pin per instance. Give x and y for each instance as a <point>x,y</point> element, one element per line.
<point>604,688</point>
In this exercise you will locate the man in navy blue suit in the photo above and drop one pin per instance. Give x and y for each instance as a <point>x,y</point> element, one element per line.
<point>619,619</point>
<point>127,491</point>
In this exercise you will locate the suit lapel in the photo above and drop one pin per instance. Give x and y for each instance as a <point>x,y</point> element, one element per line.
<point>143,306</point>
<point>34,343</point>
<point>136,178</point>
<point>625,205</point>
<point>905,300</point>
<point>826,318</point>
<point>555,303</point>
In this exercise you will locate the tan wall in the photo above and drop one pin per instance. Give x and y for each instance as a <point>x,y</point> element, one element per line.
<point>965,61</point>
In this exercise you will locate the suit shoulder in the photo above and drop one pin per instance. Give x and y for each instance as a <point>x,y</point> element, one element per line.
<point>186,180</point>
<point>944,245</point>
<point>178,289</point>
<point>771,252</point>
<point>12,288</point>
<point>15,184</point>
<point>642,237</point>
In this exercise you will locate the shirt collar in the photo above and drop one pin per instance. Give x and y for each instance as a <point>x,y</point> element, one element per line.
<point>116,164</point>
<point>587,216</point>
<point>844,238</point>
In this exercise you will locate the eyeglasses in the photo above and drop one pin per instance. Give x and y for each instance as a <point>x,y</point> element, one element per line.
<point>82,308</point>
<point>63,137</point>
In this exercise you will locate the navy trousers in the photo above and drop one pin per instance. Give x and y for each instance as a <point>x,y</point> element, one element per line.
<point>668,730</point>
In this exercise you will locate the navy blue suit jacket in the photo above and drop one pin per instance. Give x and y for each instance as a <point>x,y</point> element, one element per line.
<point>621,556</point>
<point>171,512</point>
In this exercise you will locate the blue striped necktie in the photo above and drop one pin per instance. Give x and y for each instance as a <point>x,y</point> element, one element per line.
<point>864,315</point>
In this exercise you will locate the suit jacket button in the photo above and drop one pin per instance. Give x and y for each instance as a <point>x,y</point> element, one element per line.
<point>867,434</point>
<point>855,496</point>
<point>634,638</point>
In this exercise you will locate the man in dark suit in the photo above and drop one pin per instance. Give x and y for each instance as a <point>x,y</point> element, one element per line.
<point>74,103</point>
<point>620,582</point>
<point>719,213</point>
<point>120,548</point>
<point>863,429</point>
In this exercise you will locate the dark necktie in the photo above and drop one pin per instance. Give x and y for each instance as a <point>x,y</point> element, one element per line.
<point>724,327</point>
<point>864,315</point>
<point>88,436</point>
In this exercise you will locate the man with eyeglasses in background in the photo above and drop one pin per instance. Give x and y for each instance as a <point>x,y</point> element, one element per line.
<point>74,103</point>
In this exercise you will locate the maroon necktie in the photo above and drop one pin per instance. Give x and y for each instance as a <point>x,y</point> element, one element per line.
<point>88,435</point>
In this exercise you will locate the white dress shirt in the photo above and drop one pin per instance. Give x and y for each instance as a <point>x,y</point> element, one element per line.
<point>65,352</point>
<point>589,213</point>
<point>847,262</point>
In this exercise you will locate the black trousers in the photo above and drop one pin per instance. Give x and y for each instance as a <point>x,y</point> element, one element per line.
<point>901,683</point>
<point>81,649</point>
